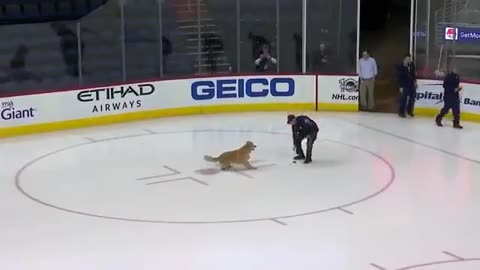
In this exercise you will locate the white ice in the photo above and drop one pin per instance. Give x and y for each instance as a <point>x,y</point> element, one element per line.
<point>381,193</point>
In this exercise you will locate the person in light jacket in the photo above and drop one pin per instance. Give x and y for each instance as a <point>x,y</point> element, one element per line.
<point>368,70</point>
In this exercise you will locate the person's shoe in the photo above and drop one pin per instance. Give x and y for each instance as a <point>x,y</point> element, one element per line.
<point>438,121</point>
<point>457,126</point>
<point>402,115</point>
<point>299,157</point>
<point>308,160</point>
<point>411,115</point>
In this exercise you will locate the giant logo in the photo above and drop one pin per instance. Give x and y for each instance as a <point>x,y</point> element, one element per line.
<point>241,88</point>
<point>9,112</point>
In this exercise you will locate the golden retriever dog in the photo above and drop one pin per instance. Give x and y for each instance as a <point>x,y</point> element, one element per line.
<point>238,156</point>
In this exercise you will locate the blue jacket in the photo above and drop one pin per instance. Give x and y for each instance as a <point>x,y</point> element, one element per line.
<point>450,84</point>
<point>304,126</point>
<point>406,75</point>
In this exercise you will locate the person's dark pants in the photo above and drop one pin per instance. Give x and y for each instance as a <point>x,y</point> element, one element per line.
<point>310,140</point>
<point>450,104</point>
<point>407,101</point>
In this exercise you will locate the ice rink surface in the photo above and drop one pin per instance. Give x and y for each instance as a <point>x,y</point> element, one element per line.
<point>381,193</point>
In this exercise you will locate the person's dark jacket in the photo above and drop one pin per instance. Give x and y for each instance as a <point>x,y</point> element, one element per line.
<point>450,83</point>
<point>304,126</point>
<point>406,75</point>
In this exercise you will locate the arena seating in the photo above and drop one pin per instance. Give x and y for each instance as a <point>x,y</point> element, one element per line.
<point>34,11</point>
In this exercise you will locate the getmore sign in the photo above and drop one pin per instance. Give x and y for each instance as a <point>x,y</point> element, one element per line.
<point>462,34</point>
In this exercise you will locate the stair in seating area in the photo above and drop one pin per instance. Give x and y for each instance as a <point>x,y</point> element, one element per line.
<point>192,15</point>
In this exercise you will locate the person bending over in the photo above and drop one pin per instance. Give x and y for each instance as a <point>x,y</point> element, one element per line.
<point>303,128</point>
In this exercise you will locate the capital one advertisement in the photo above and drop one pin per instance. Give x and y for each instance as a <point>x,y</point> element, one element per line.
<point>430,95</point>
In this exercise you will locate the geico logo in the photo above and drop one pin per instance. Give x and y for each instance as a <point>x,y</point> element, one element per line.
<point>12,113</point>
<point>116,92</point>
<point>233,88</point>
<point>430,96</point>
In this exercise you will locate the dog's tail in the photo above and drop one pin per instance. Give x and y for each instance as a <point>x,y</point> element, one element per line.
<point>210,159</point>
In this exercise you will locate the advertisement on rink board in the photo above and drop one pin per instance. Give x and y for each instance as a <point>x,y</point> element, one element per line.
<point>253,89</point>
<point>338,89</point>
<point>243,88</point>
<point>13,111</point>
<point>120,98</point>
<point>157,95</point>
<point>430,95</point>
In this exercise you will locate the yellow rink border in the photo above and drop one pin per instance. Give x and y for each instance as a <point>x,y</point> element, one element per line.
<point>424,112</point>
<point>144,115</point>
<point>196,110</point>
<point>336,107</point>
<point>464,116</point>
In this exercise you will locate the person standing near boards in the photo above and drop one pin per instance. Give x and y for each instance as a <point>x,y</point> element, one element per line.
<point>367,70</point>
<point>407,80</point>
<point>451,98</point>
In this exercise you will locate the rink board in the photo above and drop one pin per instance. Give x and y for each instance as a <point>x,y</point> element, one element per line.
<point>429,99</point>
<point>146,100</point>
<point>338,93</point>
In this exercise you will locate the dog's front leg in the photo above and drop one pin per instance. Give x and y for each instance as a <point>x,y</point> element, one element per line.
<point>248,165</point>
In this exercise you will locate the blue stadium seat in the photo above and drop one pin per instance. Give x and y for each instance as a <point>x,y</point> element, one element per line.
<point>13,11</point>
<point>96,3</point>
<point>80,8</point>
<point>47,9</point>
<point>64,8</point>
<point>17,2</point>
<point>31,10</point>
